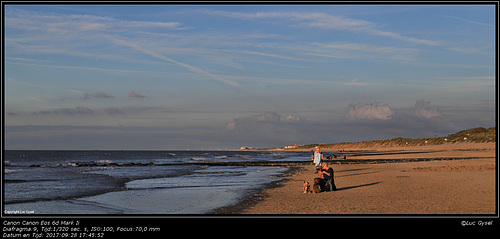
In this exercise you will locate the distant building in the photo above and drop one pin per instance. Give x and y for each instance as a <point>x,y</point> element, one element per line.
<point>292,146</point>
<point>246,148</point>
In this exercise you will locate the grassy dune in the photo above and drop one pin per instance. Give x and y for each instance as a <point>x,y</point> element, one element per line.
<point>475,135</point>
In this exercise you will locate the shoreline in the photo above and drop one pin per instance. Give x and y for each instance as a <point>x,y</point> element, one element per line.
<point>441,179</point>
<point>254,196</point>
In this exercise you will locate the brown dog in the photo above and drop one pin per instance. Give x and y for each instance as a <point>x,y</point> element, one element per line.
<point>306,187</point>
<point>316,185</point>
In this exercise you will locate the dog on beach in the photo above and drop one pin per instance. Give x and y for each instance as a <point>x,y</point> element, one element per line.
<point>306,187</point>
<point>316,185</point>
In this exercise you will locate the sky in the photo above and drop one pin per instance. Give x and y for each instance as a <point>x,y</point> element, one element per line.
<point>225,76</point>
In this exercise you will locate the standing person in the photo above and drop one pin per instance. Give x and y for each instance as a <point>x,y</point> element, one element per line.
<point>328,176</point>
<point>318,157</point>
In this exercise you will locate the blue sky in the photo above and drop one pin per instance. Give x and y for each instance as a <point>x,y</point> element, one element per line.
<point>225,76</point>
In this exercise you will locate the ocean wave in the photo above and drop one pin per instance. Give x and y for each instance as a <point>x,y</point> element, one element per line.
<point>103,168</point>
<point>198,158</point>
<point>53,165</point>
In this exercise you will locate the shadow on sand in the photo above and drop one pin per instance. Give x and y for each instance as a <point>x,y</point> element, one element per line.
<point>358,186</point>
<point>355,174</point>
<point>349,170</point>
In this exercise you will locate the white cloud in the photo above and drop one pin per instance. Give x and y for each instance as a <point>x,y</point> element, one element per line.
<point>424,109</point>
<point>162,57</point>
<point>96,95</point>
<point>323,21</point>
<point>256,122</point>
<point>347,50</point>
<point>370,111</point>
<point>252,120</point>
<point>23,83</point>
<point>132,94</point>
<point>30,20</point>
<point>470,21</point>
<point>39,100</point>
<point>265,54</point>
<point>292,118</point>
<point>79,110</point>
<point>319,20</point>
<point>401,37</point>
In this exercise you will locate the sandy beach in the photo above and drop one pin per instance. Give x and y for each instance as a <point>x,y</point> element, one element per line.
<point>458,179</point>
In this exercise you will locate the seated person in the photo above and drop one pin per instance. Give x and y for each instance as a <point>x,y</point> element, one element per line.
<point>327,173</point>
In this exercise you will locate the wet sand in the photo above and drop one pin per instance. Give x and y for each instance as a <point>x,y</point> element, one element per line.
<point>462,183</point>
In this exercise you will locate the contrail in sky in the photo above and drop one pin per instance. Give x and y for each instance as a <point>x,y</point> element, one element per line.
<point>162,57</point>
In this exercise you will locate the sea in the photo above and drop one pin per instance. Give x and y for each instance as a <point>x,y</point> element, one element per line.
<point>135,182</point>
